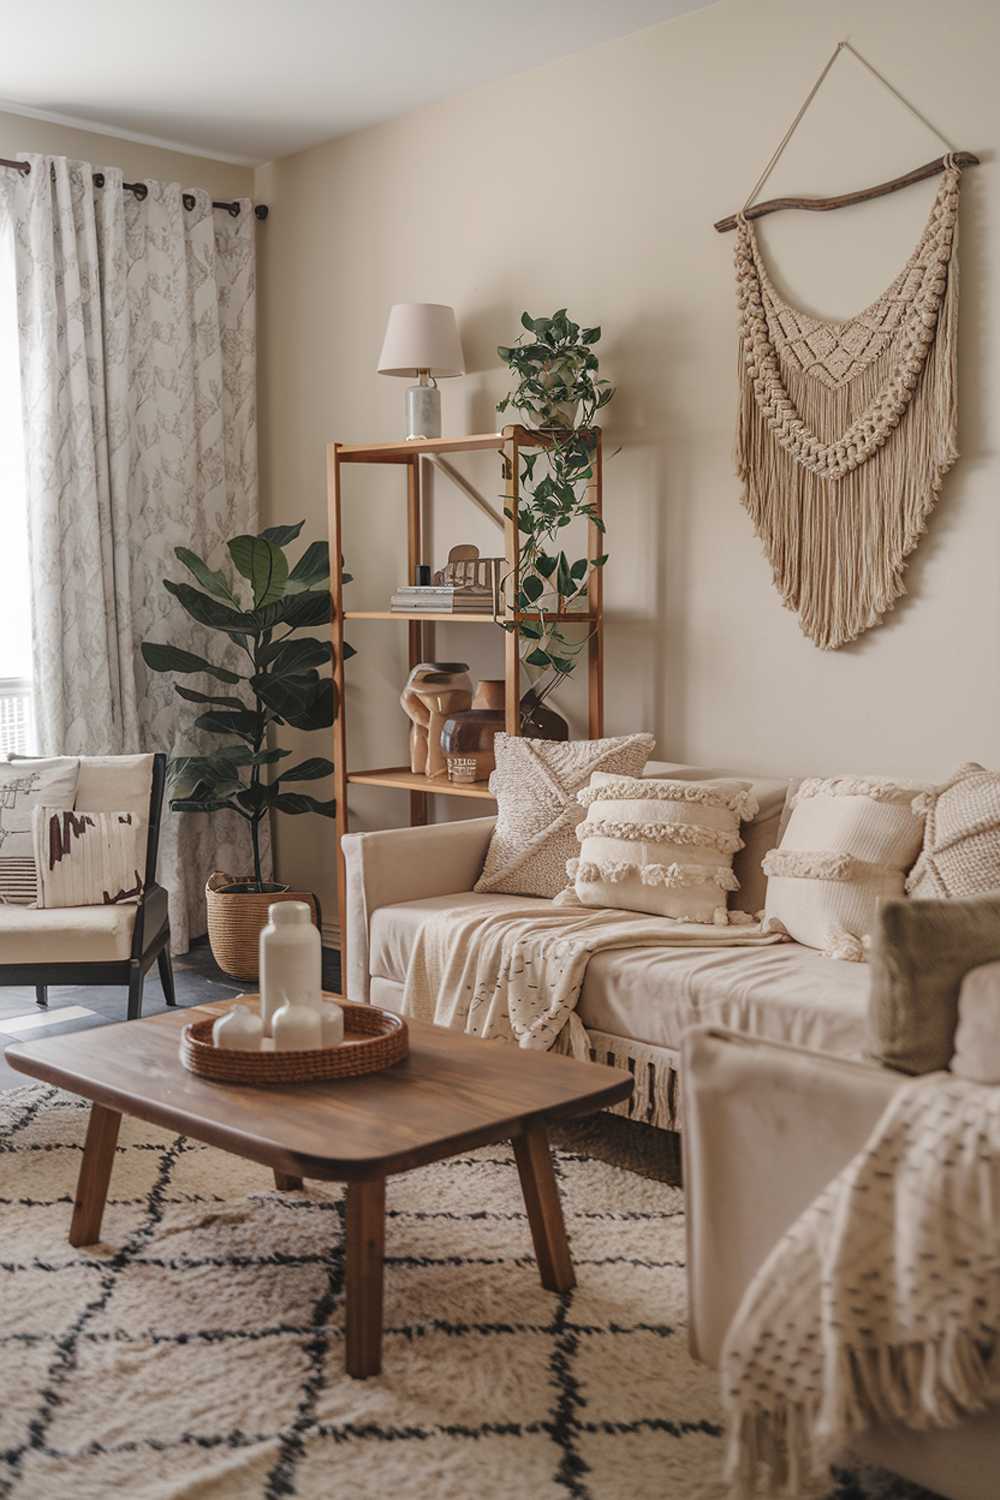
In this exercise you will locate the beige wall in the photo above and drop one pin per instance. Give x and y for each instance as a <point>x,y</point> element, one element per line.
<point>22,133</point>
<point>593,183</point>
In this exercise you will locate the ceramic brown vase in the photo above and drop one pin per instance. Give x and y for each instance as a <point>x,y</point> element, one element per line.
<point>470,735</point>
<point>490,693</point>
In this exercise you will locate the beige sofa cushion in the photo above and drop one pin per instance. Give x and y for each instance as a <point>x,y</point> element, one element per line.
<point>961,848</point>
<point>847,846</point>
<point>786,993</point>
<point>977,1039</point>
<point>660,845</point>
<point>75,934</point>
<point>535,784</point>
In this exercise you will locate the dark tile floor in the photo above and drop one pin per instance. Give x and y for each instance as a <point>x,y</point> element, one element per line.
<point>196,979</point>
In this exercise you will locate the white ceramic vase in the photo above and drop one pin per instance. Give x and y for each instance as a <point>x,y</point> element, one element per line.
<point>291,960</point>
<point>296,1027</point>
<point>239,1029</point>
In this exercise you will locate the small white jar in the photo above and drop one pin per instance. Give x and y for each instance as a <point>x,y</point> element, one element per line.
<point>296,1027</point>
<point>331,1018</point>
<point>239,1029</point>
<point>291,959</point>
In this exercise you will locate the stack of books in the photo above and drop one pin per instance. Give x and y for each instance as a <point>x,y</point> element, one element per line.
<point>443,598</point>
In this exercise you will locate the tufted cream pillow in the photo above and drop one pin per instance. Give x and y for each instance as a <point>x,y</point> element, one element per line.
<point>535,784</point>
<point>662,846</point>
<point>961,852</point>
<point>847,845</point>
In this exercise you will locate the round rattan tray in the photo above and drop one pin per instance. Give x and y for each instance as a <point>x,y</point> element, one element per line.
<point>373,1039</point>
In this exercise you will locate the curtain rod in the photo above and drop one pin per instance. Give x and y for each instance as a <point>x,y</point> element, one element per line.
<point>141,191</point>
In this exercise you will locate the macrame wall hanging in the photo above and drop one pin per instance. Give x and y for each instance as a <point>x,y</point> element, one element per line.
<point>846,429</point>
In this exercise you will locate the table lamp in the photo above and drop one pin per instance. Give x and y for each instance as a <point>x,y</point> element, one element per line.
<point>421,340</point>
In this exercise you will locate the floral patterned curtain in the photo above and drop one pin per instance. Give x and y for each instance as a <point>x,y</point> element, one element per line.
<point>137,334</point>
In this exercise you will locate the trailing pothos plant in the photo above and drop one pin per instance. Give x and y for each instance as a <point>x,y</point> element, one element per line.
<point>558,391</point>
<point>280,683</point>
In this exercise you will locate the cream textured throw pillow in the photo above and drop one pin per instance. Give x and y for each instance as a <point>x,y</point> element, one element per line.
<point>661,846</point>
<point>535,784</point>
<point>848,845</point>
<point>961,853</point>
<point>25,785</point>
<point>88,858</point>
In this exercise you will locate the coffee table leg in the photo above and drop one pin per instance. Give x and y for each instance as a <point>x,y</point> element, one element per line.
<point>286,1184</point>
<point>95,1174</point>
<point>365,1250</point>
<point>541,1199</point>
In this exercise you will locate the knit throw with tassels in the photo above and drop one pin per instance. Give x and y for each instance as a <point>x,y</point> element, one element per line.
<point>882,1302</point>
<point>845,430</point>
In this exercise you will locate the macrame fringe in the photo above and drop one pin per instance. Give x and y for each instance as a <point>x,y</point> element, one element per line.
<point>838,523</point>
<point>921,1386</point>
<point>858,786</point>
<point>656,1093</point>
<point>822,864</point>
<point>674,876</point>
<point>692,834</point>
<point>633,789</point>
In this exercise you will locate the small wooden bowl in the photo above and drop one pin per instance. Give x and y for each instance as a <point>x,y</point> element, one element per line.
<point>373,1039</point>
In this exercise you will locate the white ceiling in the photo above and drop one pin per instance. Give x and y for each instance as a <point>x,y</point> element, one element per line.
<point>249,80</point>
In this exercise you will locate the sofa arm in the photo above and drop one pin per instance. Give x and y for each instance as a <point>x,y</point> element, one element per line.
<point>766,1127</point>
<point>403,864</point>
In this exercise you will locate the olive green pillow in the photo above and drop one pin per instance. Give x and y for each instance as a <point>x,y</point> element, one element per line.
<point>921,951</point>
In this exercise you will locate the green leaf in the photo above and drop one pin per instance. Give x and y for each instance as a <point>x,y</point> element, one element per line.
<point>289,697</point>
<point>562,664</point>
<point>253,798</point>
<point>208,612</point>
<point>321,712</point>
<point>310,608</point>
<point>190,804</point>
<point>249,726</point>
<point>214,583</point>
<point>538,658</point>
<point>531,632</point>
<point>590,335</point>
<point>298,802</point>
<point>349,651</point>
<point>285,656</point>
<point>173,659</point>
<point>545,565</point>
<point>213,769</point>
<point>564,579</point>
<point>264,564</point>
<point>309,770</point>
<point>193,697</point>
<point>533,588</point>
<point>282,535</point>
<point>242,755</point>
<point>600,561</point>
<point>579,568</point>
<point>312,568</point>
<point>527,322</point>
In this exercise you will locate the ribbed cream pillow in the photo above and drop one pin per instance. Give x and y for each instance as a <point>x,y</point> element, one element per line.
<point>664,847</point>
<point>961,853</point>
<point>847,845</point>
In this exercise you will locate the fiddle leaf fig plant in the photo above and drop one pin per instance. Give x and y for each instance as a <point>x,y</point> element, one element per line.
<point>558,391</point>
<point>279,683</point>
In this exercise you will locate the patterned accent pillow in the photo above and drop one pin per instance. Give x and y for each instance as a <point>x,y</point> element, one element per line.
<point>847,846</point>
<point>535,784</point>
<point>961,852</point>
<point>661,846</point>
<point>87,858</point>
<point>24,786</point>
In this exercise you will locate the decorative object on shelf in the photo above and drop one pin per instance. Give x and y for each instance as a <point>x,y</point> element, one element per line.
<point>238,1029</point>
<point>490,693</point>
<point>467,584</point>
<point>559,392</point>
<point>421,340</point>
<point>466,569</point>
<point>469,736</point>
<point>283,684</point>
<point>442,598</point>
<point>296,1026</point>
<point>373,1039</point>
<point>539,721</point>
<point>291,959</point>
<point>434,691</point>
<point>845,429</point>
<point>467,769</point>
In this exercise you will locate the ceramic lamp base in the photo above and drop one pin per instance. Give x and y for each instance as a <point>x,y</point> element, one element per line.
<point>423,411</point>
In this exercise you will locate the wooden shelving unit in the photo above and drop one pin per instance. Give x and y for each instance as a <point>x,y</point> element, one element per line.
<point>420,624</point>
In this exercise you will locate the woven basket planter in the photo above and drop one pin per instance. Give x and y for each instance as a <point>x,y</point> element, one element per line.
<point>235,921</point>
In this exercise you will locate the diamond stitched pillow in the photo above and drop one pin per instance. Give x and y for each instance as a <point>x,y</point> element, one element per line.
<point>25,785</point>
<point>961,852</point>
<point>535,784</point>
<point>88,858</point>
<point>661,846</point>
<point>848,845</point>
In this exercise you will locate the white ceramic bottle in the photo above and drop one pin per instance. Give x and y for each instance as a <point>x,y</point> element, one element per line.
<point>296,1027</point>
<point>331,1019</point>
<point>240,1029</point>
<point>291,961</point>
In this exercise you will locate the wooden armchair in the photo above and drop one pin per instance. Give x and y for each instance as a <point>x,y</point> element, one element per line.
<point>83,945</point>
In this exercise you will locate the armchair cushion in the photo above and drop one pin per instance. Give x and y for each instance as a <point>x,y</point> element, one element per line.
<point>69,934</point>
<point>25,786</point>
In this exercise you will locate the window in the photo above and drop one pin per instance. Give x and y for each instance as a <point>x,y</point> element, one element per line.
<point>16,719</point>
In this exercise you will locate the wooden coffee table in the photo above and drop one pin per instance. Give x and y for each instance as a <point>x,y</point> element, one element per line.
<point>452,1093</point>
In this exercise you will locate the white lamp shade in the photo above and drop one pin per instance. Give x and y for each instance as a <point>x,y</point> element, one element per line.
<point>421,336</point>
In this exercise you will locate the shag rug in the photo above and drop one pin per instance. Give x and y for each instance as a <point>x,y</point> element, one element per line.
<point>197,1352</point>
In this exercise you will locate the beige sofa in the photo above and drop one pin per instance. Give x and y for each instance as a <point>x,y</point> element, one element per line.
<point>636,1003</point>
<point>765,1129</point>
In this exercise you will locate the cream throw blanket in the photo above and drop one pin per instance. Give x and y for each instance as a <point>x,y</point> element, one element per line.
<point>517,974</point>
<point>882,1302</point>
